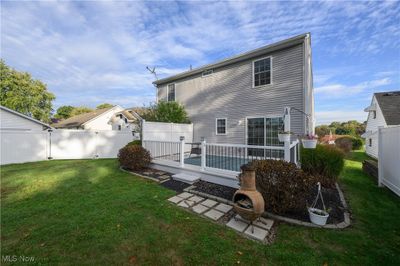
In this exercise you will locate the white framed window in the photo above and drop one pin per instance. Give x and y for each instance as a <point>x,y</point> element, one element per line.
<point>262,72</point>
<point>220,126</point>
<point>171,92</point>
<point>374,114</point>
<point>207,72</point>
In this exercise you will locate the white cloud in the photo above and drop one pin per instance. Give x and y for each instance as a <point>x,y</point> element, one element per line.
<point>99,49</point>
<point>341,90</point>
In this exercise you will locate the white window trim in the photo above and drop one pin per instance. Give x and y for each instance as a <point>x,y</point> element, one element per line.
<point>216,126</point>
<point>174,92</point>
<point>252,66</point>
<point>204,76</point>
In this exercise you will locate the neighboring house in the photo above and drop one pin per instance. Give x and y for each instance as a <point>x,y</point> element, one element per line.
<point>96,120</point>
<point>12,120</point>
<point>241,99</point>
<point>127,120</point>
<point>329,139</point>
<point>384,111</point>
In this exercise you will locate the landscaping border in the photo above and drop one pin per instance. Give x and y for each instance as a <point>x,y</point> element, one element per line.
<point>341,225</point>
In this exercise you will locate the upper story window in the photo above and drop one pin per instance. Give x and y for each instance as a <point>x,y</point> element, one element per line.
<point>207,72</point>
<point>373,114</point>
<point>220,124</point>
<point>262,72</point>
<point>171,92</point>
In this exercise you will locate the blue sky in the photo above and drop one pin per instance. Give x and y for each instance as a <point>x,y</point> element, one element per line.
<point>94,52</point>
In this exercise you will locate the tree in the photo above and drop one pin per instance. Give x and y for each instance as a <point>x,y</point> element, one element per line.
<point>323,130</point>
<point>171,112</point>
<point>104,105</point>
<point>80,110</point>
<point>20,92</point>
<point>64,112</point>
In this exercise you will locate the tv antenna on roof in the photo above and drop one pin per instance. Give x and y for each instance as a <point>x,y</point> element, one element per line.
<point>152,71</point>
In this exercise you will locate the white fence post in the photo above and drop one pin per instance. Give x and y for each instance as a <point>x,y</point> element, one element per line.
<point>203,155</point>
<point>182,151</point>
<point>286,124</point>
<point>380,156</point>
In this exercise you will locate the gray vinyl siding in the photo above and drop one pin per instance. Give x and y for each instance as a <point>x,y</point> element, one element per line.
<point>229,93</point>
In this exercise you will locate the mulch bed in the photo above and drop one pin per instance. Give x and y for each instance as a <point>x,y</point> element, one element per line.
<point>154,173</point>
<point>177,186</point>
<point>214,189</point>
<point>330,195</point>
<point>332,204</point>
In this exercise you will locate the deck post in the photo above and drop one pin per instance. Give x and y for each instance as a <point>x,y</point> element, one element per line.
<point>182,151</point>
<point>286,123</point>
<point>203,155</point>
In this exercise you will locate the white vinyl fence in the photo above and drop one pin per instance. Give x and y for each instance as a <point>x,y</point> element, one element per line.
<point>30,146</point>
<point>158,131</point>
<point>389,158</point>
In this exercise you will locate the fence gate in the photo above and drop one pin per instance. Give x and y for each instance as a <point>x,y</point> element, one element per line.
<point>158,131</point>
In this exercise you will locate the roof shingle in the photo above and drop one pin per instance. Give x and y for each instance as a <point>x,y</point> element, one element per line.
<point>389,102</point>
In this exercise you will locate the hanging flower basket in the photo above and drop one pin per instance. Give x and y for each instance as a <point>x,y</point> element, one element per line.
<point>310,141</point>
<point>284,136</point>
<point>318,216</point>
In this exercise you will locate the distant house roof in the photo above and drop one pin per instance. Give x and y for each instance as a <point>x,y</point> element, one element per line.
<point>234,59</point>
<point>78,120</point>
<point>327,138</point>
<point>24,116</point>
<point>389,102</point>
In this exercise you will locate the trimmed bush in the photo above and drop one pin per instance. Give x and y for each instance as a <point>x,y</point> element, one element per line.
<point>284,187</point>
<point>345,144</point>
<point>134,157</point>
<point>135,142</point>
<point>325,162</point>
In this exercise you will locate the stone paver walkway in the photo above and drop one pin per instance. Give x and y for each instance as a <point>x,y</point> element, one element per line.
<point>223,213</point>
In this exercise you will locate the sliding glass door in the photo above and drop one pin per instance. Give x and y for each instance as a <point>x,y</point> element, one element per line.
<point>263,131</point>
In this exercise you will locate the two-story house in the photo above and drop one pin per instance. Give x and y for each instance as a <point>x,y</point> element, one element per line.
<point>384,111</point>
<point>241,99</point>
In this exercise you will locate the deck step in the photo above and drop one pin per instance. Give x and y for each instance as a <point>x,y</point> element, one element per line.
<point>186,178</point>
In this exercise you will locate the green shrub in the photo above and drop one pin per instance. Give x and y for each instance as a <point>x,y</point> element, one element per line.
<point>357,143</point>
<point>325,162</point>
<point>135,142</point>
<point>283,186</point>
<point>134,157</point>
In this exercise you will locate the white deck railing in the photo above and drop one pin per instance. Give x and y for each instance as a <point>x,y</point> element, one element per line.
<point>217,156</point>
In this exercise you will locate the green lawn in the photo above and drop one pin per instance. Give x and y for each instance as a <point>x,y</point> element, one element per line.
<point>89,212</point>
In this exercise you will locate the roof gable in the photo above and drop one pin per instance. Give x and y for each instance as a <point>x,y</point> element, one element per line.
<point>24,116</point>
<point>78,120</point>
<point>238,58</point>
<point>389,103</point>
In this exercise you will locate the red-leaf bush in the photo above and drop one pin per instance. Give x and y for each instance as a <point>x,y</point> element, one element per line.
<point>134,157</point>
<point>284,187</point>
